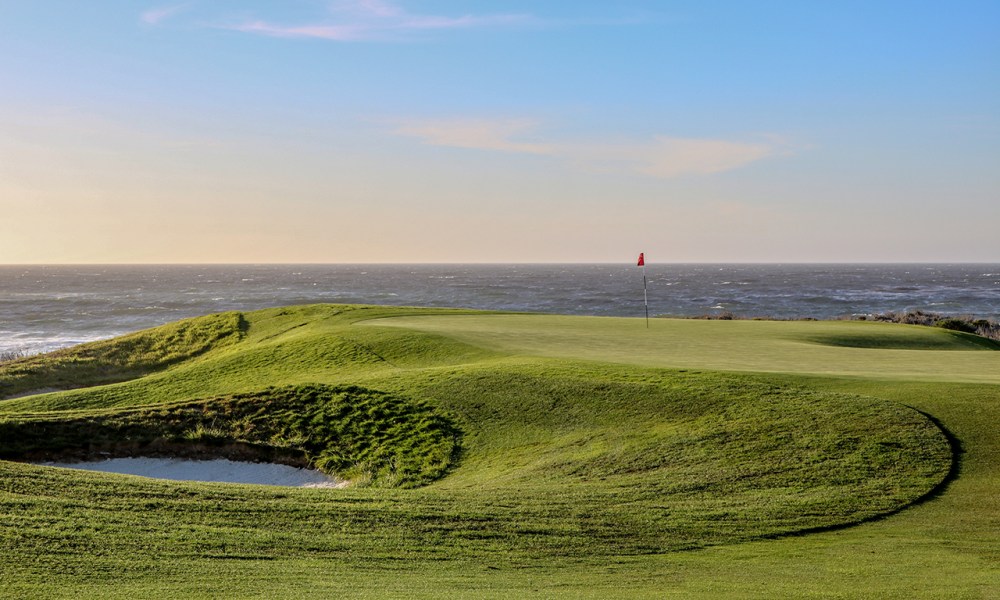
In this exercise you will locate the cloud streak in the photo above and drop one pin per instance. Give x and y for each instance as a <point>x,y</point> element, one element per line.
<point>479,134</point>
<point>154,16</point>
<point>662,157</point>
<point>369,20</point>
<point>667,157</point>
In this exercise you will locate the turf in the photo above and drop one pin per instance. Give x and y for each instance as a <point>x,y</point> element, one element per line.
<point>500,455</point>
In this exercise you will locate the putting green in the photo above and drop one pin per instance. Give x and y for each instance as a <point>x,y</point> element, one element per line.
<point>854,348</point>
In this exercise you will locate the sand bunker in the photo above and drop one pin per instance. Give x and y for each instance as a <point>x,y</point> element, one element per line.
<point>217,470</point>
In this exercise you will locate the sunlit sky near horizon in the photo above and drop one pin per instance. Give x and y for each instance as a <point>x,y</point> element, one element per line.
<point>364,131</point>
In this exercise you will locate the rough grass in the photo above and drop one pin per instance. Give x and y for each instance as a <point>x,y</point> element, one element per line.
<point>367,437</point>
<point>517,455</point>
<point>121,358</point>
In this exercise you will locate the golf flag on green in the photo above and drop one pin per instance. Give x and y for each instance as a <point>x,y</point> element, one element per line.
<point>645,297</point>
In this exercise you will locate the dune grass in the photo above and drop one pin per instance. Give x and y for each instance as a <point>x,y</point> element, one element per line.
<point>122,358</point>
<point>514,455</point>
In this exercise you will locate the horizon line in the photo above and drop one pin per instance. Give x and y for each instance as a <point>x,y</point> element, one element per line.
<point>491,263</point>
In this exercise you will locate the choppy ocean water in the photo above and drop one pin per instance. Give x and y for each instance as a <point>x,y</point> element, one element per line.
<point>47,307</point>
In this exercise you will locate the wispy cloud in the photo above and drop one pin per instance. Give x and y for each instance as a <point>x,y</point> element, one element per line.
<point>378,8</point>
<point>341,33</point>
<point>666,157</point>
<point>154,16</point>
<point>482,134</point>
<point>358,20</point>
<point>662,156</point>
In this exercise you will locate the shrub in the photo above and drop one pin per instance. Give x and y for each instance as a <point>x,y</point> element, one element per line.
<point>956,325</point>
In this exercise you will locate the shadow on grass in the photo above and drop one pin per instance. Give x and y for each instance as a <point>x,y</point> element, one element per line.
<point>956,462</point>
<point>955,446</point>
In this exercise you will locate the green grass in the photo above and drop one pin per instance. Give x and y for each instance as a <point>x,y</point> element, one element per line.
<point>499,455</point>
<point>122,358</point>
<point>852,348</point>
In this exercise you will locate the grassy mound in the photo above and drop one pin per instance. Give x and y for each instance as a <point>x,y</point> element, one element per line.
<point>503,442</point>
<point>121,358</point>
<point>671,460</point>
<point>358,434</point>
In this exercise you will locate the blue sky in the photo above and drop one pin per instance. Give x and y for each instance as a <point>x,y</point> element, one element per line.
<point>375,131</point>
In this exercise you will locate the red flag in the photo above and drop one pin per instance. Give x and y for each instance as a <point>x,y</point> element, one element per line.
<point>642,260</point>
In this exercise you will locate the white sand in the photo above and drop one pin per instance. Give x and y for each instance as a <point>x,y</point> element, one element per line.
<point>217,470</point>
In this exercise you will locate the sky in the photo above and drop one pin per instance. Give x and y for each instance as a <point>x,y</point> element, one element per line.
<point>378,131</point>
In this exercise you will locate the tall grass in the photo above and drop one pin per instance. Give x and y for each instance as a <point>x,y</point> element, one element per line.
<point>121,358</point>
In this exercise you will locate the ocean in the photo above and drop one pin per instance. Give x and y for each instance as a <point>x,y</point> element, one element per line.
<point>43,308</point>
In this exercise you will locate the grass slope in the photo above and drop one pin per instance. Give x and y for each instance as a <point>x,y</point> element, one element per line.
<point>122,358</point>
<point>512,455</point>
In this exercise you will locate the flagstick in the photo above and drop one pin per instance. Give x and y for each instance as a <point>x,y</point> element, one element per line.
<point>645,297</point>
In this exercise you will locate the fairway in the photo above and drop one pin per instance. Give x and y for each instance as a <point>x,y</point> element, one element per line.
<point>510,455</point>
